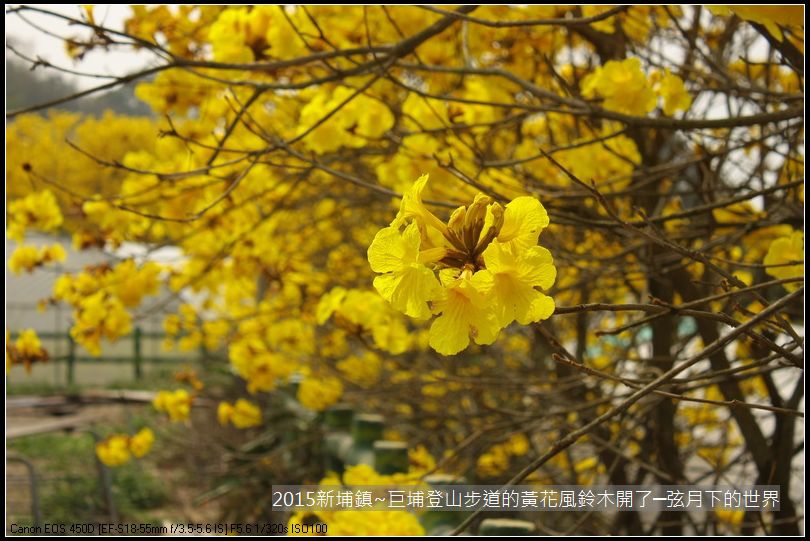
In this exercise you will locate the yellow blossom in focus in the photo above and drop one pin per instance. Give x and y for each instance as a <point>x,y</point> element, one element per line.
<point>406,283</point>
<point>511,278</point>
<point>465,312</point>
<point>490,267</point>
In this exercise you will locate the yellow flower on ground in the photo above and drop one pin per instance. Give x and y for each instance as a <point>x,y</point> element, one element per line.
<point>141,442</point>
<point>783,251</point>
<point>114,451</point>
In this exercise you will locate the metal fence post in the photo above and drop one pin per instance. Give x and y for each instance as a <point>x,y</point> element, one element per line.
<point>36,514</point>
<point>106,480</point>
<point>71,360</point>
<point>137,353</point>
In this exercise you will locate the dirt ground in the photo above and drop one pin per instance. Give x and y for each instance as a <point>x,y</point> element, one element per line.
<point>52,469</point>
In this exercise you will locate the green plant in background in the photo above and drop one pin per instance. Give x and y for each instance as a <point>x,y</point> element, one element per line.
<point>70,488</point>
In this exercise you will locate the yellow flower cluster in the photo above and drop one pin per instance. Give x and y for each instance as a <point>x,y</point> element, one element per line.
<point>100,297</point>
<point>362,370</point>
<point>27,258</point>
<point>353,124</point>
<point>176,404</point>
<point>625,88</point>
<point>261,366</point>
<point>496,459</point>
<point>318,393</point>
<point>241,414</point>
<point>37,210</point>
<point>360,312</point>
<point>26,350</point>
<point>378,522</point>
<point>781,253</point>
<point>490,269</point>
<point>118,449</point>
<point>186,328</point>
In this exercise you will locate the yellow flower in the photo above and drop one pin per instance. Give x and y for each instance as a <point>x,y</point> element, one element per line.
<point>511,278</point>
<point>318,394</point>
<point>673,91</point>
<point>412,207</point>
<point>243,414</point>
<point>177,404</point>
<point>406,283</point>
<point>465,312</point>
<point>37,210</point>
<point>99,315</point>
<point>518,444</point>
<point>494,462</point>
<point>28,344</point>
<point>623,85</point>
<point>363,371</point>
<point>328,304</point>
<point>488,261</point>
<point>523,220</point>
<point>730,516</point>
<point>141,443</point>
<point>53,253</point>
<point>786,250</point>
<point>24,258</point>
<point>770,16</point>
<point>114,451</point>
<point>224,413</point>
<point>421,460</point>
<point>27,258</point>
<point>377,523</point>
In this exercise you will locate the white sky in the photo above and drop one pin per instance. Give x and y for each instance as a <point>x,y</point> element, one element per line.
<point>34,43</point>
